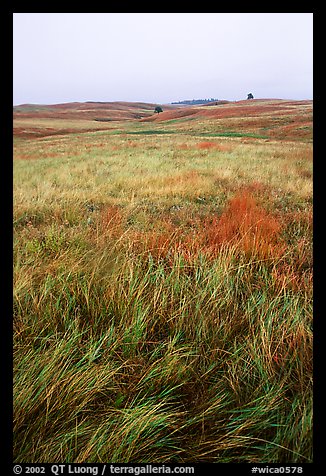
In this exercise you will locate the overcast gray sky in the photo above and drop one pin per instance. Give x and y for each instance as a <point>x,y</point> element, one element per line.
<point>161,57</point>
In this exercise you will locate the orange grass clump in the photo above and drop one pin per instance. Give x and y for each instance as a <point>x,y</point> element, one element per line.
<point>183,146</point>
<point>111,222</point>
<point>243,224</point>
<point>164,242</point>
<point>246,225</point>
<point>213,145</point>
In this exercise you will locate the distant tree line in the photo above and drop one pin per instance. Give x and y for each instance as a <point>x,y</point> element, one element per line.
<point>204,101</point>
<point>195,101</point>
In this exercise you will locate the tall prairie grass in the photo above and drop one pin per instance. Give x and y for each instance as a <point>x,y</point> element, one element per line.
<point>162,299</point>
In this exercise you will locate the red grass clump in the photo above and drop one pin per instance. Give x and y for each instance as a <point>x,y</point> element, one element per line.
<point>183,146</point>
<point>162,243</point>
<point>111,222</point>
<point>206,145</point>
<point>246,225</point>
<point>213,145</point>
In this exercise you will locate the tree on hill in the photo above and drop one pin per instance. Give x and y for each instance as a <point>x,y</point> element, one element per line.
<point>250,96</point>
<point>158,109</point>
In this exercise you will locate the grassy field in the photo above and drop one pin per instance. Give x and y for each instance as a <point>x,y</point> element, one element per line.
<point>163,287</point>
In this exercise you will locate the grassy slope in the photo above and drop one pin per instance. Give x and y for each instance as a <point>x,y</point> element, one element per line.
<point>33,121</point>
<point>163,290</point>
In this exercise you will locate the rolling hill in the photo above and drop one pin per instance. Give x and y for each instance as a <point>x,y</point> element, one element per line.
<point>268,118</point>
<point>117,110</point>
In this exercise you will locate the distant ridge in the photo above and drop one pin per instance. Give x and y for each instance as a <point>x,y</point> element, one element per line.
<point>93,110</point>
<point>233,109</point>
<point>264,118</point>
